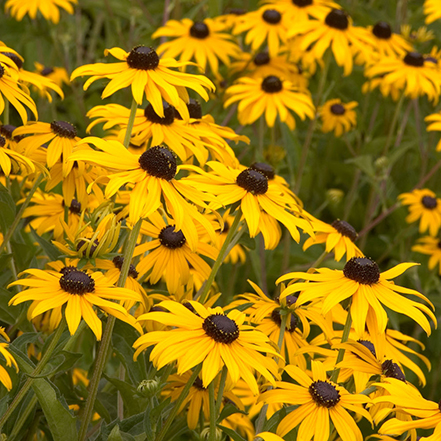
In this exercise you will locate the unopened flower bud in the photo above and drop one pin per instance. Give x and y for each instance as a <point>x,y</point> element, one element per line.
<point>149,388</point>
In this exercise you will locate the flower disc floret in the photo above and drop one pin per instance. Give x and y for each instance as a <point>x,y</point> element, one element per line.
<point>275,317</point>
<point>159,162</point>
<point>362,270</point>
<point>64,129</point>
<point>169,114</point>
<point>272,84</point>
<point>6,130</point>
<point>118,261</point>
<point>261,59</point>
<point>382,30</point>
<point>338,109</point>
<point>272,16</point>
<point>253,181</point>
<point>345,229</point>
<point>171,238</point>
<point>429,202</point>
<point>337,19</point>
<point>75,207</point>
<point>199,30</point>
<point>15,58</point>
<point>302,3</point>
<point>2,71</point>
<point>324,394</point>
<point>263,168</point>
<point>414,59</point>
<point>2,141</point>
<point>368,345</point>
<point>392,370</point>
<point>143,57</point>
<point>221,328</point>
<point>77,282</point>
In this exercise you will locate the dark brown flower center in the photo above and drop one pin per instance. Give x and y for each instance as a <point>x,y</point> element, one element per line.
<point>92,248</point>
<point>171,238</point>
<point>253,181</point>
<point>362,270</point>
<point>6,130</point>
<point>160,162</point>
<point>414,59</point>
<point>337,19</point>
<point>15,58</point>
<point>118,261</point>
<point>369,345</point>
<point>324,394</point>
<point>429,202</point>
<point>236,11</point>
<point>198,384</point>
<point>169,114</point>
<point>75,207</point>
<point>221,328</point>
<point>272,16</point>
<point>271,84</point>
<point>2,71</point>
<point>275,317</point>
<point>194,110</point>
<point>263,168</point>
<point>75,281</point>
<point>345,229</point>
<point>199,30</point>
<point>338,109</point>
<point>47,71</point>
<point>391,369</point>
<point>302,3</point>
<point>261,59</point>
<point>2,141</point>
<point>64,129</point>
<point>143,58</point>
<point>382,30</point>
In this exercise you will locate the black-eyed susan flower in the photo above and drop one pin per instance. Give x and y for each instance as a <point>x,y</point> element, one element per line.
<point>11,160</point>
<point>200,41</point>
<point>334,31</point>
<point>256,194</point>
<point>338,117</point>
<point>14,93</point>
<point>79,291</point>
<point>302,10</point>
<point>369,290</point>
<point>152,175</point>
<point>338,236</point>
<point>42,83</point>
<point>55,73</point>
<point>148,75</point>
<point>411,74</point>
<point>5,379</point>
<point>430,246</point>
<point>421,35</point>
<point>210,337</point>
<point>271,96</point>
<point>424,206</point>
<point>49,9</point>
<point>386,89</point>
<point>267,25</point>
<point>59,136</point>
<point>169,255</point>
<point>320,401</point>
<point>304,58</point>
<point>432,10</point>
<point>434,121</point>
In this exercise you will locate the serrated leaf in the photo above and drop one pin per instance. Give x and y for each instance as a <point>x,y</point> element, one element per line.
<point>7,209</point>
<point>231,433</point>
<point>228,410</point>
<point>52,252</point>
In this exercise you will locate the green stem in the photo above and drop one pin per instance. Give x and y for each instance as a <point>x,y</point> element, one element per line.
<point>6,112</point>
<point>213,415</point>
<point>23,417</point>
<point>313,122</point>
<point>130,123</point>
<point>341,351</point>
<point>35,373</point>
<point>221,257</point>
<point>393,124</point>
<point>220,392</point>
<point>18,216</point>
<point>319,259</point>
<point>178,403</point>
<point>107,337</point>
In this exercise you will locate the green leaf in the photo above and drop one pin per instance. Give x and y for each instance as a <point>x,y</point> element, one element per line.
<point>115,434</point>
<point>7,209</point>
<point>231,433</point>
<point>364,163</point>
<point>228,410</point>
<point>247,241</point>
<point>131,402</point>
<point>148,424</point>
<point>61,363</point>
<point>20,344</point>
<point>52,252</point>
<point>8,314</point>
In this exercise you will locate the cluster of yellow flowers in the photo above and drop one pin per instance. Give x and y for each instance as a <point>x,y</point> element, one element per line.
<point>136,223</point>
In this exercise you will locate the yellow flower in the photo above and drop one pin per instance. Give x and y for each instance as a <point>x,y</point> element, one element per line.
<point>270,95</point>
<point>432,247</point>
<point>48,8</point>
<point>319,400</point>
<point>337,116</point>
<point>79,291</point>
<point>369,290</point>
<point>146,73</point>
<point>421,35</point>
<point>435,125</point>
<point>11,160</point>
<point>56,74</point>
<point>425,206</point>
<point>432,10</point>
<point>200,41</point>
<point>5,379</point>
<point>210,337</point>
<point>302,10</point>
<point>412,74</point>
